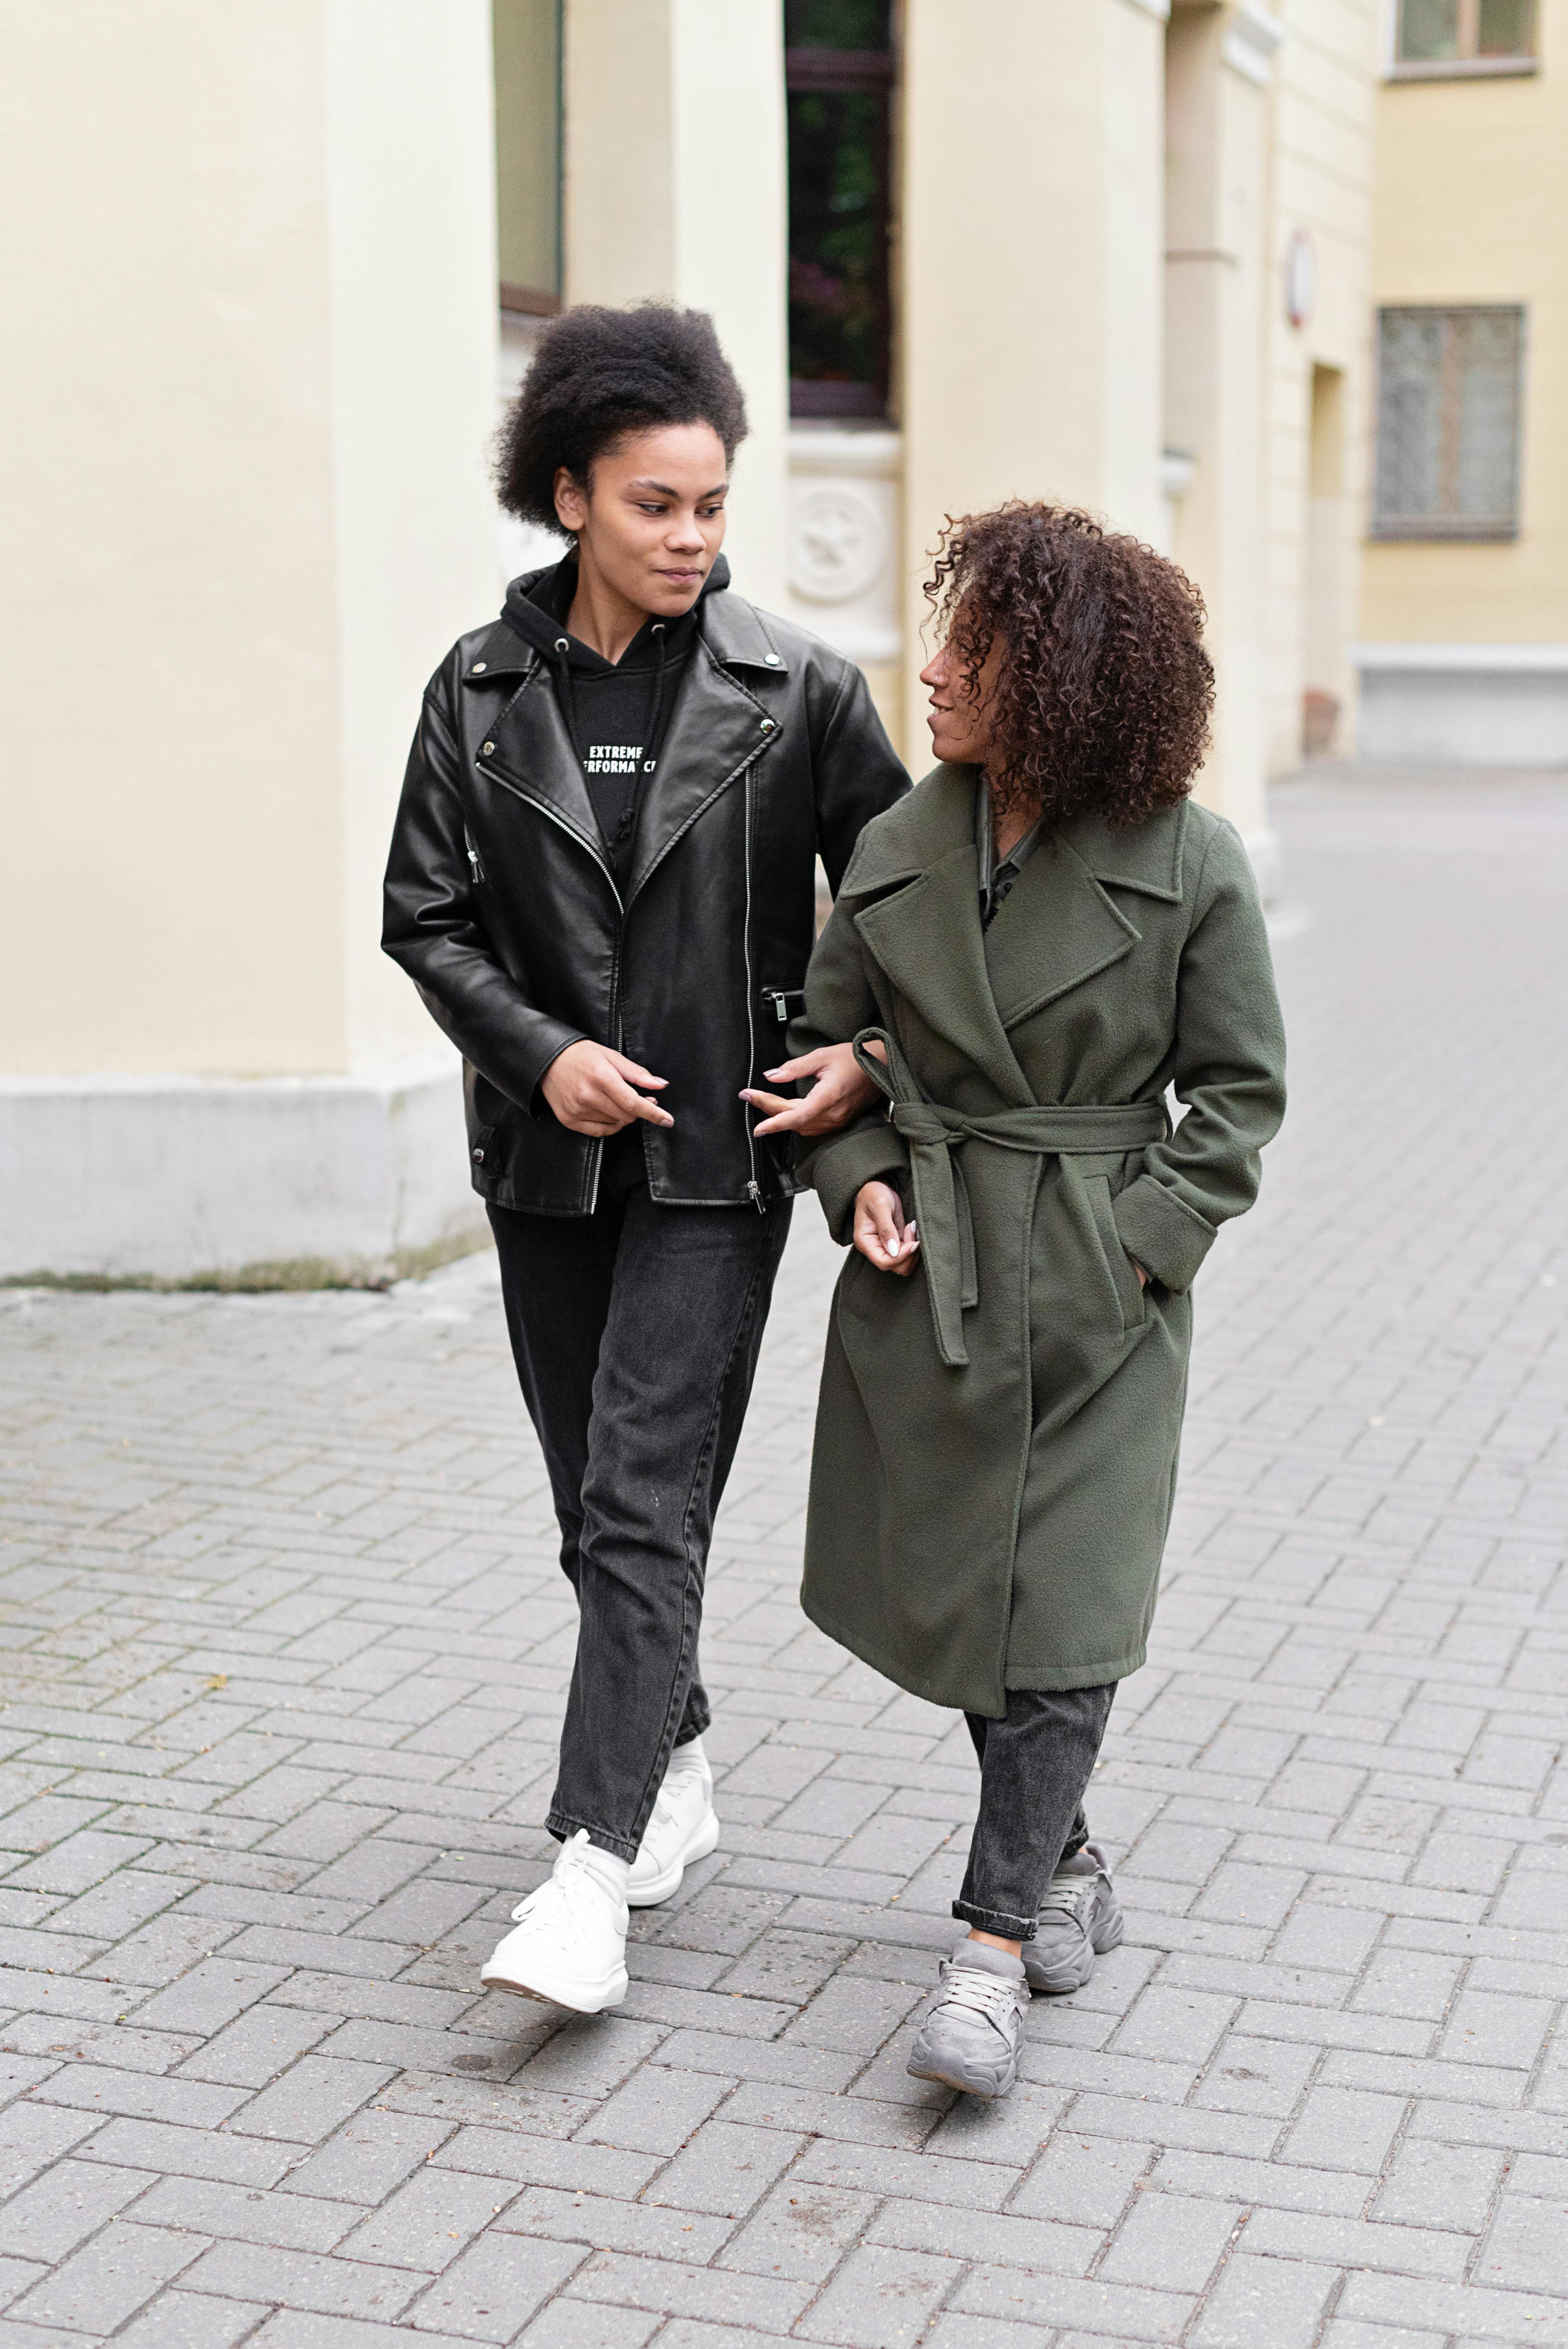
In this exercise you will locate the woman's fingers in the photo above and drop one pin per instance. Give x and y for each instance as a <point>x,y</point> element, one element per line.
<point>781,1116</point>
<point>619,1101</point>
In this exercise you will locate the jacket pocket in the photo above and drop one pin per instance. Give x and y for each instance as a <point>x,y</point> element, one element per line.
<point>1129,1289</point>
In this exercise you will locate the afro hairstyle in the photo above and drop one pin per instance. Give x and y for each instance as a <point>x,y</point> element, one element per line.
<point>598,374</point>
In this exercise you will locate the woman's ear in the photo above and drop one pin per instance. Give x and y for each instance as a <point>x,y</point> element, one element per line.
<point>571,506</point>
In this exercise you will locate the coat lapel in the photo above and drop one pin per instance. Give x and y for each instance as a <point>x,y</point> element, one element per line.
<point>1055,928</point>
<point>1059,926</point>
<point>918,866</point>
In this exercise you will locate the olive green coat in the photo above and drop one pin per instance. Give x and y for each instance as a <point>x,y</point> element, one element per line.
<point>997,1434</point>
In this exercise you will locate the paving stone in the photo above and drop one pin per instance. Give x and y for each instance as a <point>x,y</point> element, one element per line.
<point>1334,1788</point>
<point>108,2280</point>
<point>327,2287</point>
<point>1341,2129</point>
<point>1258,2300</point>
<point>191,2320</point>
<point>1442,2186</point>
<point>70,2201</point>
<point>159,2147</point>
<point>1171,2241</point>
<point>311,2099</point>
<point>658,2110</point>
<point>724,2169</point>
<point>880,2299</point>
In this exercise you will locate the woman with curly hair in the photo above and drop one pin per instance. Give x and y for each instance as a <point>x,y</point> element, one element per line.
<point>1027,952</point>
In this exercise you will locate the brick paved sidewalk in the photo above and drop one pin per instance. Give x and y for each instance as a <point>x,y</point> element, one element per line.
<point>287,1648</point>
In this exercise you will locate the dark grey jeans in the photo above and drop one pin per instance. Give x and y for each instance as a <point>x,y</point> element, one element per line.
<point>636,1331</point>
<point>1033,1768</point>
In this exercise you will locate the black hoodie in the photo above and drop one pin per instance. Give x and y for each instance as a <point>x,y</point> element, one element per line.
<point>616,712</point>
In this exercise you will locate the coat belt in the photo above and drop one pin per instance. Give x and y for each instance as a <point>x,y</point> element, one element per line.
<point>940,1196</point>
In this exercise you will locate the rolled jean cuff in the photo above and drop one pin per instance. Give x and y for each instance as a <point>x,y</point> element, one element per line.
<point>995,1920</point>
<point>696,1721</point>
<point>562,1828</point>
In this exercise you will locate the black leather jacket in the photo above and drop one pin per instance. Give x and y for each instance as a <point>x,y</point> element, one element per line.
<point>501,907</point>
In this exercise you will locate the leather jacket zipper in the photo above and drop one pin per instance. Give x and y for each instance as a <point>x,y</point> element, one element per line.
<point>476,866</point>
<point>596,1147</point>
<point>753,1188</point>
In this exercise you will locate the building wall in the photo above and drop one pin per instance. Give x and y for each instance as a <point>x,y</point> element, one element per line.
<point>252,251</point>
<point>245,506</point>
<point>1323,106</point>
<point>675,191</point>
<point>1031,296</point>
<point>1472,206</point>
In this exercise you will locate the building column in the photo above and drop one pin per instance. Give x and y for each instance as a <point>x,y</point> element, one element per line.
<point>1218,69</point>
<point>247,512</point>
<point>1031,297</point>
<point>675,191</point>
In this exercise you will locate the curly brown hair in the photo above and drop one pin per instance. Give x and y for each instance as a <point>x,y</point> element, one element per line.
<point>1102,692</point>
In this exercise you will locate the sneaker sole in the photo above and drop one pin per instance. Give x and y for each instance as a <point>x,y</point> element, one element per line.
<point>927,2069</point>
<point>704,1840</point>
<point>1108,1935</point>
<point>590,1998</point>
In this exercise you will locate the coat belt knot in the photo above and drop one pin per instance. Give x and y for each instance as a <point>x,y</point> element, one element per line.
<point>940,1196</point>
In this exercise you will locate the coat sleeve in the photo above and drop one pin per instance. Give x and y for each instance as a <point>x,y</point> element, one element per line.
<point>839,1003</point>
<point>1227,1065</point>
<point>432,928</point>
<point>855,774</point>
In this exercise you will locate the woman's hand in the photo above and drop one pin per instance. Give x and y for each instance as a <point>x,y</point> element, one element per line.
<point>841,1092</point>
<point>882,1234</point>
<point>590,1090</point>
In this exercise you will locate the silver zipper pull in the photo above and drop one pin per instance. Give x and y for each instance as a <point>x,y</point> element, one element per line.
<point>754,1192</point>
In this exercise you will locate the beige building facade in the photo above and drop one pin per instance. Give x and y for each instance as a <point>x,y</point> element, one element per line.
<point>1090,249</point>
<point>1463,638</point>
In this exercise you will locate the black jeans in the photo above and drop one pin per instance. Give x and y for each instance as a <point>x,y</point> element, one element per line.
<point>1033,1768</point>
<point>636,1331</point>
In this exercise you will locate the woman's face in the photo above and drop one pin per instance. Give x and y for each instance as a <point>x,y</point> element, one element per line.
<point>652,520</point>
<point>960,716</point>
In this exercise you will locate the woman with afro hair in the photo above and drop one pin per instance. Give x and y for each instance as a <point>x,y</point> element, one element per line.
<point>1026,954</point>
<point>603,883</point>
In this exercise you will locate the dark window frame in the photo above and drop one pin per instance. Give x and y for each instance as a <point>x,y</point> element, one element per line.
<point>1468,66</point>
<point>862,71</point>
<point>1449,527</point>
<point>542,301</point>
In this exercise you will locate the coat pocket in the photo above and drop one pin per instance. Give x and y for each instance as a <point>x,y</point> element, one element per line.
<point>1125,1283</point>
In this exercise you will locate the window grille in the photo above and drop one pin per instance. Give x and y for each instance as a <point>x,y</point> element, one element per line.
<point>1447,423</point>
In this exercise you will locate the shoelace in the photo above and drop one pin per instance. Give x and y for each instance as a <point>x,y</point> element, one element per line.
<point>985,1994</point>
<point>565,1887</point>
<point>1071,1896</point>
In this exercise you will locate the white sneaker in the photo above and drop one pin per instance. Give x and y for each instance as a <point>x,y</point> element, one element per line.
<point>684,1827</point>
<point>568,1939</point>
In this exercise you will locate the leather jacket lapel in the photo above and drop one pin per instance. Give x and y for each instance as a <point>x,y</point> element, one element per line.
<point>718,728</point>
<point>536,757</point>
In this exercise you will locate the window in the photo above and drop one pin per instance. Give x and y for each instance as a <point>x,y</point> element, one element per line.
<point>1464,37</point>
<point>528,153</point>
<point>839,71</point>
<point>1447,423</point>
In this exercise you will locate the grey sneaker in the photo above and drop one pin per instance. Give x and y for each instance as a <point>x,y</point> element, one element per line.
<point>1079,1920</point>
<point>968,2038</point>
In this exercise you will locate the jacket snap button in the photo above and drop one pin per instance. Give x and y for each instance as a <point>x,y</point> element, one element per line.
<point>479,667</point>
<point>487,749</point>
<point>767,726</point>
<point>479,1158</point>
<point>772,659</point>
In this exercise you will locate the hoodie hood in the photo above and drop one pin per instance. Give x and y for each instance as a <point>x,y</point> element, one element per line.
<point>536,607</point>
